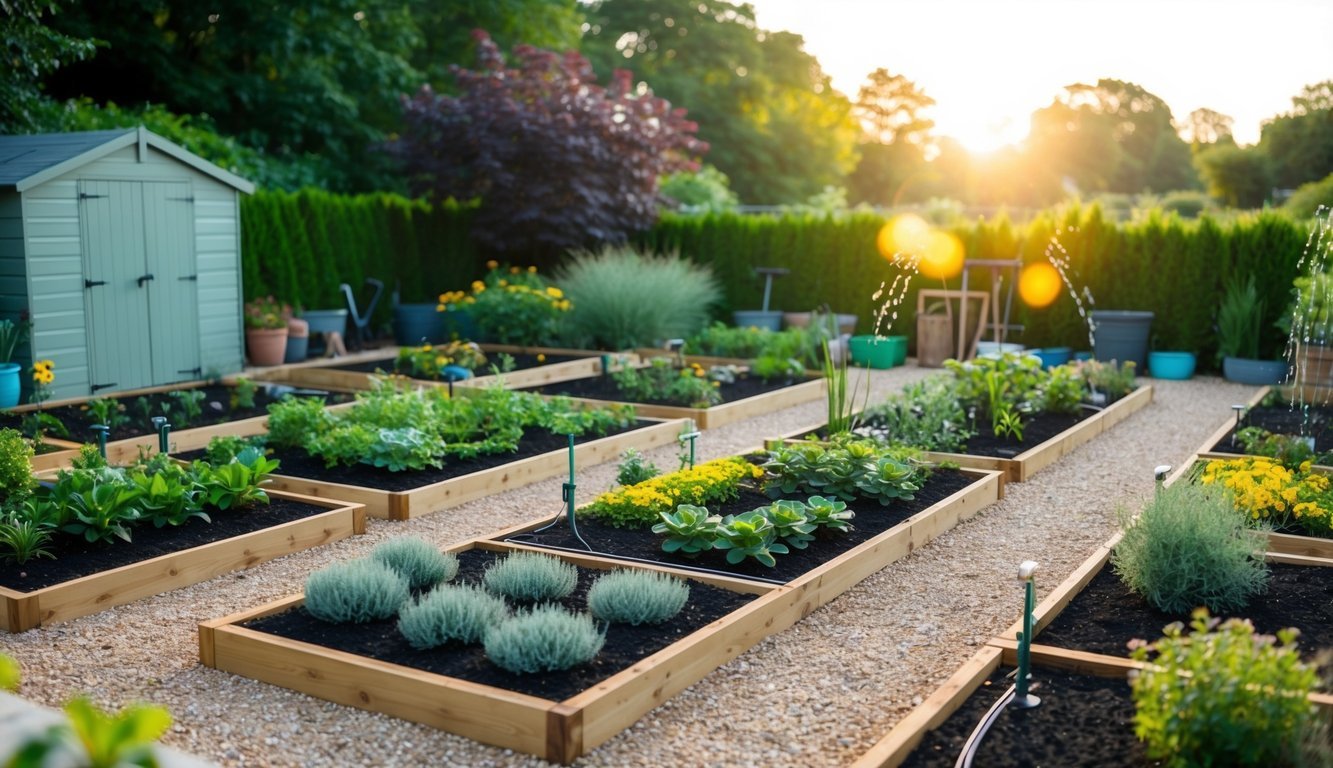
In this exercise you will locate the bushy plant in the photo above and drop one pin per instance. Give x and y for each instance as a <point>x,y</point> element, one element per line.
<point>634,468</point>
<point>224,448</point>
<point>1112,379</point>
<point>425,362</point>
<point>661,381</point>
<point>15,466</point>
<point>637,597</point>
<point>530,577</point>
<point>108,411</point>
<point>1290,451</point>
<point>242,393</point>
<point>750,534</point>
<point>846,468</point>
<point>625,299</point>
<point>450,614</point>
<point>294,420</point>
<point>355,592</point>
<point>1189,547</point>
<point>639,506</point>
<point>828,514</point>
<point>750,343</point>
<point>23,539</point>
<point>1240,319</point>
<point>925,415</point>
<point>416,560</point>
<point>547,638</point>
<point>266,312</point>
<point>1062,391</point>
<point>1221,695</point>
<point>511,305</point>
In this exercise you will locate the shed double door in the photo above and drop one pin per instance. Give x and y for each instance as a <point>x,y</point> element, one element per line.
<point>140,283</point>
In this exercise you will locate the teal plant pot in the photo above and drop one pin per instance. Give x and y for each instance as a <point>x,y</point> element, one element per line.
<point>1121,335</point>
<point>755,318</point>
<point>415,324</point>
<point>1244,370</point>
<point>1053,356</point>
<point>325,320</point>
<point>1176,366</point>
<point>458,324</point>
<point>298,348</point>
<point>878,351</point>
<point>10,385</point>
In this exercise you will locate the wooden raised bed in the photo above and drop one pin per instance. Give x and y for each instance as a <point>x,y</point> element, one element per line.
<point>20,611</point>
<point>726,413</point>
<point>404,505</point>
<point>68,449</point>
<point>1026,464</point>
<point>326,375</point>
<point>559,731</point>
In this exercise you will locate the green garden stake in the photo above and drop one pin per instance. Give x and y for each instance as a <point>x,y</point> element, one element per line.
<point>1023,699</point>
<point>1240,412</point>
<point>102,430</point>
<point>163,427</point>
<point>1160,473</point>
<point>690,434</point>
<point>567,509</point>
<point>606,366</point>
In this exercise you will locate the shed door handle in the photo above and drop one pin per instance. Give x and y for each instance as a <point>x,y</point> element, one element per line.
<point>145,278</point>
<point>93,283</point>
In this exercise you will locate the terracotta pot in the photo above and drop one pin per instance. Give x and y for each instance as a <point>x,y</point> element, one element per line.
<point>267,346</point>
<point>1313,365</point>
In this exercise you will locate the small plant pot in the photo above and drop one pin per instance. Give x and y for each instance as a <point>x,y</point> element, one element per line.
<point>878,351</point>
<point>298,348</point>
<point>1053,356</point>
<point>325,320</point>
<point>415,324</point>
<point>1176,366</point>
<point>10,384</point>
<point>267,346</point>
<point>1121,335</point>
<point>755,318</point>
<point>1244,370</point>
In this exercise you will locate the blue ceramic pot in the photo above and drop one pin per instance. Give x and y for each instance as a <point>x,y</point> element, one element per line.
<point>1053,356</point>
<point>1244,370</point>
<point>10,386</point>
<point>1171,365</point>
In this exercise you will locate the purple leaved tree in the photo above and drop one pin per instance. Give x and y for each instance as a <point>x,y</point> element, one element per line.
<point>556,160</point>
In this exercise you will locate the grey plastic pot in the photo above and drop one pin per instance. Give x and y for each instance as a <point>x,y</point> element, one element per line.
<point>1121,335</point>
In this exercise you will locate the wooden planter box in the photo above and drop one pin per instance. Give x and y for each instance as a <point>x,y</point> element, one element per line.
<point>325,374</point>
<point>404,505</point>
<point>726,413</point>
<point>20,611</point>
<point>55,459</point>
<point>1026,464</point>
<point>558,731</point>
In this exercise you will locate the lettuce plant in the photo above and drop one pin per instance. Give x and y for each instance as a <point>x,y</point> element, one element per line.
<point>749,535</point>
<point>689,530</point>
<point>828,514</point>
<point>790,522</point>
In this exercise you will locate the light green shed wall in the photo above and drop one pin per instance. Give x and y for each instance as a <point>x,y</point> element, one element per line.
<point>51,232</point>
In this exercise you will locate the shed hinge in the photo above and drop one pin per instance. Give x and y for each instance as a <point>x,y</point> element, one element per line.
<point>189,199</point>
<point>193,371</point>
<point>86,196</point>
<point>189,277</point>
<point>96,387</point>
<point>93,283</point>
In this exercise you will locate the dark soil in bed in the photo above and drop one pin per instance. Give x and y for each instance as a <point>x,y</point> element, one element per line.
<point>1037,429</point>
<point>604,388</point>
<point>1106,615</point>
<point>75,557</point>
<point>216,408</point>
<point>871,520</point>
<point>625,645</point>
<point>1082,722</point>
<point>521,362</point>
<point>296,462</point>
<point>1283,420</point>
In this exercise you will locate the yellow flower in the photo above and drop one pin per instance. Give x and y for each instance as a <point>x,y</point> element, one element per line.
<point>554,292</point>
<point>532,270</point>
<point>439,307</point>
<point>513,270</point>
<point>541,358</point>
<point>504,283</point>
<point>492,264</point>
<point>478,286</point>
<point>425,348</point>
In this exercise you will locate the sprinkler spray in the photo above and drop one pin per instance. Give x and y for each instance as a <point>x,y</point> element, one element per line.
<point>1023,699</point>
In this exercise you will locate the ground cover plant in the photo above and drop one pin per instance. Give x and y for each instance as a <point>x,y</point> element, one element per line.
<point>399,429</point>
<point>720,340</point>
<point>1269,494</point>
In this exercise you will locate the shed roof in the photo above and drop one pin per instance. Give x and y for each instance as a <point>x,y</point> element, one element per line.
<point>29,160</point>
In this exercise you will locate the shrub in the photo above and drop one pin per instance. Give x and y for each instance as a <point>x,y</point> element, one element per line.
<point>1221,695</point>
<point>1308,197</point>
<point>355,592</point>
<point>512,305</point>
<point>926,415</point>
<point>625,299</point>
<point>1190,547</point>
<point>449,614</point>
<point>15,465</point>
<point>661,381</point>
<point>545,639</point>
<point>642,505</point>
<point>295,420</point>
<point>416,560</point>
<point>531,577</point>
<point>637,597</point>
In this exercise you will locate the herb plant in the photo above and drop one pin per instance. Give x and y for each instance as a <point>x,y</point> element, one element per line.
<point>530,577</point>
<point>547,638</point>
<point>927,415</point>
<point>634,468</point>
<point>450,614</point>
<point>416,560</point>
<point>187,407</point>
<point>660,381</point>
<point>637,597</point>
<point>15,466</point>
<point>243,393</point>
<point>1115,381</point>
<point>108,411</point>
<point>1221,695</point>
<point>22,539</point>
<point>847,469</point>
<point>355,592</point>
<point>1289,450</point>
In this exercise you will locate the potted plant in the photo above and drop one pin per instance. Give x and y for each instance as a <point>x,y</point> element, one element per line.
<point>11,333</point>
<point>1309,320</point>
<point>762,318</point>
<point>266,330</point>
<point>1239,319</point>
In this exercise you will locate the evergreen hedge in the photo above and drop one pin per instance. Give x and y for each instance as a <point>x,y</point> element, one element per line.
<point>300,246</point>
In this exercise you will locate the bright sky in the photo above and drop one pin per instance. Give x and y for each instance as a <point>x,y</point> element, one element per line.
<point>990,63</point>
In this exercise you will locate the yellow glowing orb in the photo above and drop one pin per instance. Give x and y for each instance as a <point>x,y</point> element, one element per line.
<point>906,234</point>
<point>942,257</point>
<point>1039,284</point>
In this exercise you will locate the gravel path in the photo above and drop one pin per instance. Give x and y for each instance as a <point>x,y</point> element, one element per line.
<point>818,694</point>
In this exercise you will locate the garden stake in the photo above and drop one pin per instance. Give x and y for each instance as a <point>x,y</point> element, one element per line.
<point>567,497</point>
<point>1023,699</point>
<point>101,430</point>
<point>606,366</point>
<point>162,426</point>
<point>1159,474</point>
<point>691,435</point>
<point>1240,410</point>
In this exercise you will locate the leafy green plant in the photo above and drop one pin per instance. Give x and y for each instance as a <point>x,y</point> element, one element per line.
<point>40,424</point>
<point>9,674</point>
<point>689,530</point>
<point>547,638</point>
<point>15,466</point>
<point>355,592</point>
<point>530,577</point>
<point>625,299</point>
<point>425,362</point>
<point>789,519</point>
<point>828,514</point>
<point>243,393</point>
<point>89,457</point>
<point>237,484</point>
<point>637,597</point>
<point>168,498</point>
<point>1191,546</point>
<point>841,409</point>
<point>106,740</point>
<point>1004,418</point>
<point>187,408</point>
<point>926,415</point>
<point>102,511</point>
<point>1221,695</point>
<point>450,614</point>
<point>294,420</point>
<point>749,535</point>
<point>846,468</point>
<point>769,367</point>
<point>402,448</point>
<point>511,305</point>
<point>108,411</point>
<point>416,560</point>
<point>1115,381</point>
<point>224,448</point>
<point>660,381</point>
<point>634,468</point>
<point>1062,391</point>
<point>750,343</point>
<point>22,540</point>
<point>1289,450</point>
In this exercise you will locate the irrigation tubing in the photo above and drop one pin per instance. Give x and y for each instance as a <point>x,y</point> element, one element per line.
<point>979,733</point>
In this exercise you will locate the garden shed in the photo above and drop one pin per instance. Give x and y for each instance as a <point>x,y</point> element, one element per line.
<point>125,251</point>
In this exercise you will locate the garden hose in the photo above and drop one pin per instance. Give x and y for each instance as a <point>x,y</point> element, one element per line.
<point>979,733</point>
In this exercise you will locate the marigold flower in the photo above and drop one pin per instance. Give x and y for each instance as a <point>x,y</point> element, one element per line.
<point>492,264</point>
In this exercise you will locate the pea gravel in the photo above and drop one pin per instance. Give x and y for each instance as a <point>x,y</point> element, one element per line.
<point>819,694</point>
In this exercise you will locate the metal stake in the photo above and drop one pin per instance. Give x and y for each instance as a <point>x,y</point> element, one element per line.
<point>691,434</point>
<point>567,497</point>
<point>163,428</point>
<point>1023,699</point>
<point>1240,411</point>
<point>102,430</point>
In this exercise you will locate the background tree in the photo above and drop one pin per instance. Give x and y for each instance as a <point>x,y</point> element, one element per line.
<point>895,136</point>
<point>776,127</point>
<point>1235,176</point>
<point>33,50</point>
<point>446,30</point>
<point>556,160</point>
<point>1206,126</point>
<point>1299,144</point>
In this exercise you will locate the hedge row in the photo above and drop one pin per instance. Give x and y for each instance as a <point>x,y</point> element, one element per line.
<point>300,246</point>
